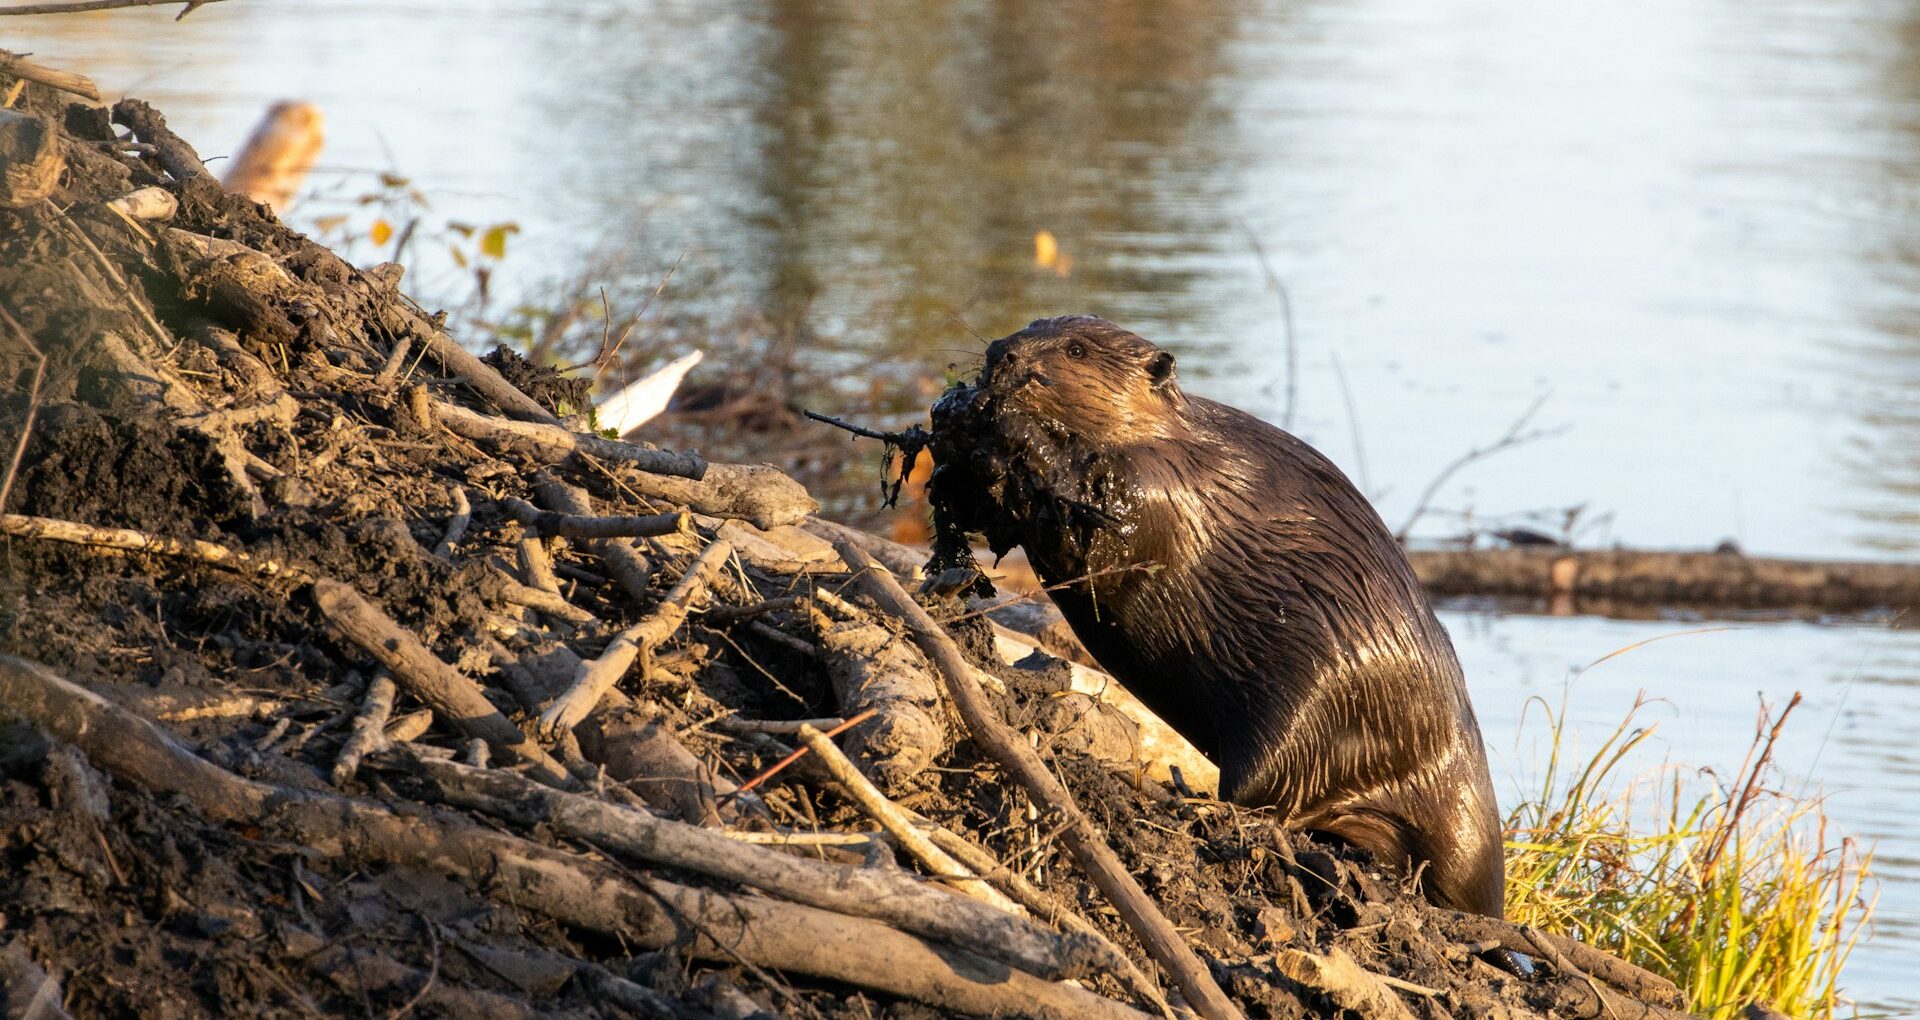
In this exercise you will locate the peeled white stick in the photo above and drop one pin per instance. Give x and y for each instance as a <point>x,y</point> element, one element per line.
<point>643,400</point>
<point>149,203</point>
<point>369,728</point>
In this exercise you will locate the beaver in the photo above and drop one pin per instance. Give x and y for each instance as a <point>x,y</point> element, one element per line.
<point>1233,578</point>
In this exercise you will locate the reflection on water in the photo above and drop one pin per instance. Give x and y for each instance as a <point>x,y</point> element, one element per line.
<point>1693,223</point>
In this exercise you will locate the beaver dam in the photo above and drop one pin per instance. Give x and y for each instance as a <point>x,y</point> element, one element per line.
<point>344,672</point>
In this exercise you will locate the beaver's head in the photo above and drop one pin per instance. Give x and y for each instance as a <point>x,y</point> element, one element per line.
<point>1087,377</point>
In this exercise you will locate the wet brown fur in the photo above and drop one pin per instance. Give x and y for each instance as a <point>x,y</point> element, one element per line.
<point>1272,619</point>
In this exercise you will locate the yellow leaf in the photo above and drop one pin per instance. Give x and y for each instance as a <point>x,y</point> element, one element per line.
<point>1046,250</point>
<point>382,232</point>
<point>493,243</point>
<point>459,257</point>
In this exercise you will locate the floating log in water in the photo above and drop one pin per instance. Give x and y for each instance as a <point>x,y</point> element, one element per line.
<point>1717,579</point>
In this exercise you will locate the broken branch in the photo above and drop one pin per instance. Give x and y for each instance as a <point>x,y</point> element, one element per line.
<point>452,696</point>
<point>1089,846</point>
<point>597,677</point>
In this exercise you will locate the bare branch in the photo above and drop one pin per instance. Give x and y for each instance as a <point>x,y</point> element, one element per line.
<point>1517,434</point>
<point>33,409</point>
<point>1290,348</point>
<point>83,6</point>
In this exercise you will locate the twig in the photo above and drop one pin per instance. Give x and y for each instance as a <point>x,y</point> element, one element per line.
<point>597,676</point>
<point>395,361</point>
<point>777,767</point>
<point>547,522</point>
<point>1089,847</point>
<point>369,727</point>
<point>549,602</point>
<point>1516,435</point>
<point>1711,859</point>
<point>456,525</point>
<point>789,837</point>
<point>1292,351</point>
<point>536,564</point>
<point>33,408</point>
<point>82,6</point>
<point>898,825</point>
<point>722,615</point>
<point>66,81</point>
<point>1353,424</point>
<point>788,726</point>
<point>913,436</point>
<point>129,540</point>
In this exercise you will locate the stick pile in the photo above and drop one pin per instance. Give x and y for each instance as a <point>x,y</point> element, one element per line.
<point>336,662</point>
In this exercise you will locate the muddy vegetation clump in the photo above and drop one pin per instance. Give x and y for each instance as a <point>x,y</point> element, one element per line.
<point>345,672</point>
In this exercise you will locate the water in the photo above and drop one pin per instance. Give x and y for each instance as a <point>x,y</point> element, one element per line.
<point>1690,225</point>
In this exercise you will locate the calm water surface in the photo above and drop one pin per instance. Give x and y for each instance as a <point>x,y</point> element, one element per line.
<point>1693,225</point>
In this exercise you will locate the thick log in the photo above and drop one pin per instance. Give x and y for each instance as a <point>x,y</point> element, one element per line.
<point>890,896</point>
<point>1349,985</point>
<point>872,668</point>
<point>1161,748</point>
<point>757,493</point>
<point>1670,578</point>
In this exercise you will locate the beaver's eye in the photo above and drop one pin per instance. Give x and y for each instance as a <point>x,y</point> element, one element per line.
<point>1076,349</point>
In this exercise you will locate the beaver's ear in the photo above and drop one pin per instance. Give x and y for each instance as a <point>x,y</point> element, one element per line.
<point>1160,370</point>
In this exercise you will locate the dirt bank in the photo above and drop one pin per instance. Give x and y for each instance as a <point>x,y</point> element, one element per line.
<point>350,700</point>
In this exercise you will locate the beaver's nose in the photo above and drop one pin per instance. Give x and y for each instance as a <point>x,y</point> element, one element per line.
<point>1000,356</point>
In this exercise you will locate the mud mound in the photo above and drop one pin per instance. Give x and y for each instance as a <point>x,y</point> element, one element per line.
<point>366,680</point>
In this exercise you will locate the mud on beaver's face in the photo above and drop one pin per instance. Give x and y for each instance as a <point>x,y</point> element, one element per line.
<point>1087,376</point>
